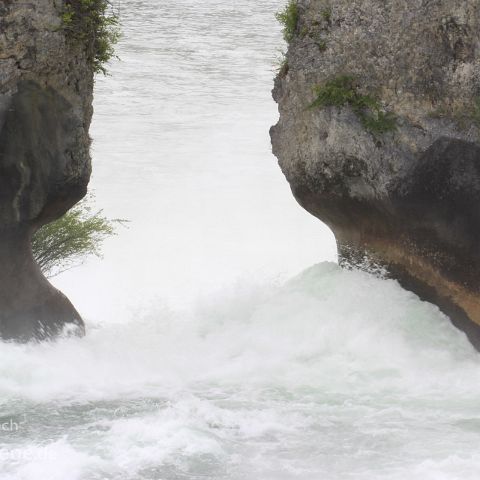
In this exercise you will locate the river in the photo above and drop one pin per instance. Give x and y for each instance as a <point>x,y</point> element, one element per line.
<point>223,340</point>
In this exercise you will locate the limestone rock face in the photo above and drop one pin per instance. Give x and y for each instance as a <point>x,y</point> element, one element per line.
<point>46,89</point>
<point>408,199</point>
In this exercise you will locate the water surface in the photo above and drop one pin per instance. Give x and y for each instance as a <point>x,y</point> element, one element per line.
<point>215,350</point>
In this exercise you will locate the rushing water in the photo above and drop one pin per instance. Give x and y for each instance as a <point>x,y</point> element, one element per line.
<point>202,359</point>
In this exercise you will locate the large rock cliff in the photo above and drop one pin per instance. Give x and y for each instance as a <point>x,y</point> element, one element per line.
<point>46,85</point>
<point>379,137</point>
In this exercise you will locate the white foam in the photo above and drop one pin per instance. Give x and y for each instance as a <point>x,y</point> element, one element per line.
<point>335,373</point>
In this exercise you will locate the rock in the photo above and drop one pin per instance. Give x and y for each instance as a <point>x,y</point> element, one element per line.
<point>46,86</point>
<point>407,199</point>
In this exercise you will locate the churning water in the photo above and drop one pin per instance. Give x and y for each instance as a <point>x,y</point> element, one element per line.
<point>202,359</point>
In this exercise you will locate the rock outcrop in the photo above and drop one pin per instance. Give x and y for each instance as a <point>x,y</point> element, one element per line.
<point>406,197</point>
<point>46,86</point>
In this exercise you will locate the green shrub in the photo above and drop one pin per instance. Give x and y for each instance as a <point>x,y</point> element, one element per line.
<point>288,17</point>
<point>342,91</point>
<point>64,243</point>
<point>322,45</point>
<point>94,25</point>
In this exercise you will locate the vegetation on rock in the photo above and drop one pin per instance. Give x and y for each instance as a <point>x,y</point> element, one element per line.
<point>64,243</point>
<point>342,91</point>
<point>95,25</point>
<point>327,15</point>
<point>288,17</point>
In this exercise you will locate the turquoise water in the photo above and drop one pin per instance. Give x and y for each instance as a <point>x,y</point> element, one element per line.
<point>333,375</point>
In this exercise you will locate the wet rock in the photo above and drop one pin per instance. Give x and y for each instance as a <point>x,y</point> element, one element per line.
<point>46,89</point>
<point>408,198</point>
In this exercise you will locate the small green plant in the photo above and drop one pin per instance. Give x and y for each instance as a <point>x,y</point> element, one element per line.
<point>64,243</point>
<point>95,25</point>
<point>379,122</point>
<point>337,92</point>
<point>322,45</point>
<point>281,64</point>
<point>342,91</point>
<point>327,15</point>
<point>288,17</point>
